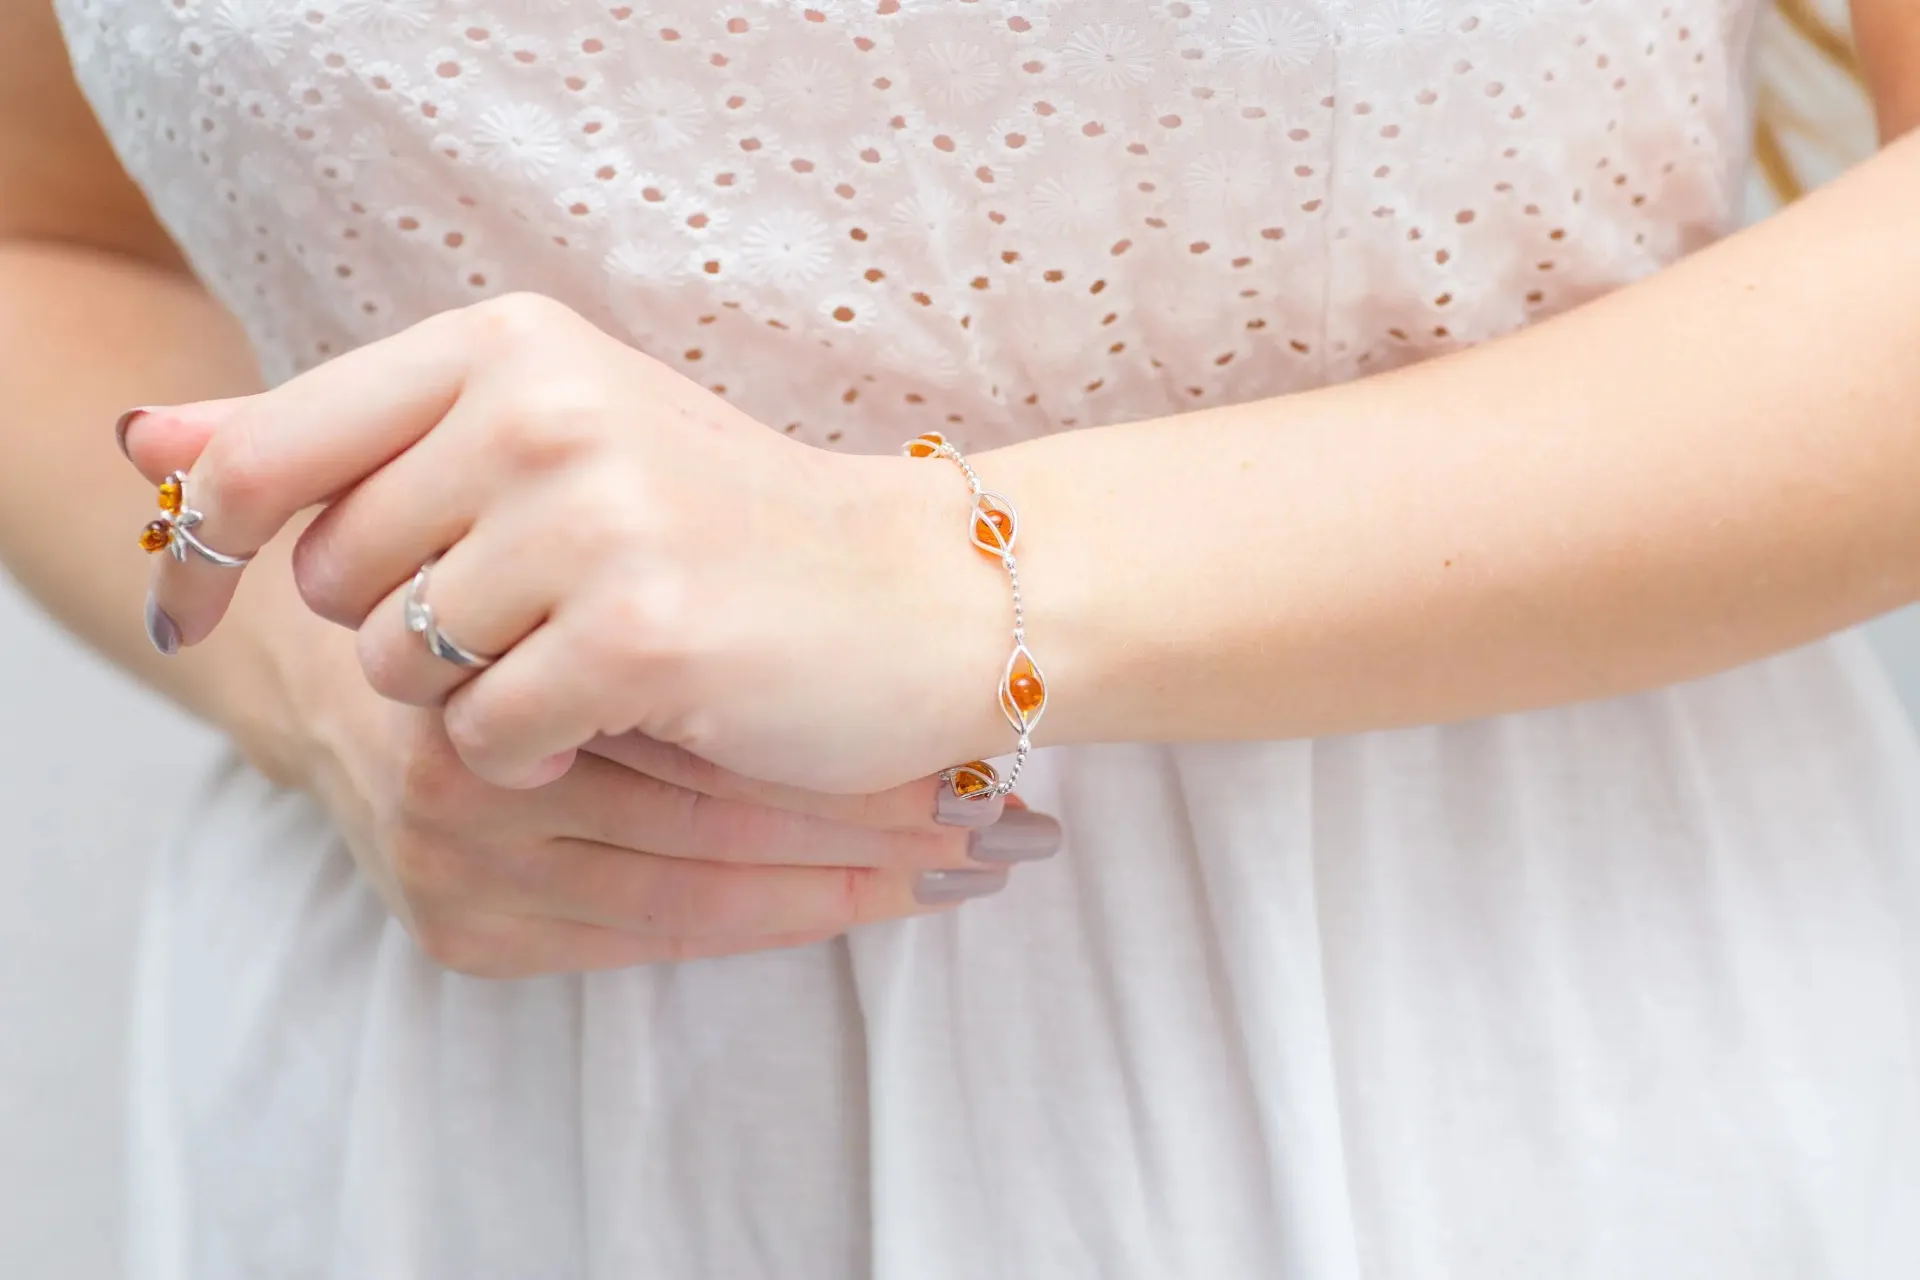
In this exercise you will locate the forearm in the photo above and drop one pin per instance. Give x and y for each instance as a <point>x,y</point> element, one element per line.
<point>83,335</point>
<point>1702,469</point>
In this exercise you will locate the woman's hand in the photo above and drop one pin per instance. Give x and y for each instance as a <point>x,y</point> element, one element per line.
<point>640,854</point>
<point>643,557</point>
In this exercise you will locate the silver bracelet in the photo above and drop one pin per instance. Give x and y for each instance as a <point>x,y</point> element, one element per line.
<point>993,526</point>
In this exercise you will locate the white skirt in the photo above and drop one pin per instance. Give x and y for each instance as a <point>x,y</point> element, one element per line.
<point>1625,989</point>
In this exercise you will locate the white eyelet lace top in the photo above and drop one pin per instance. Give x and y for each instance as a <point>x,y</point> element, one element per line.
<point>1619,989</point>
<point>857,217</point>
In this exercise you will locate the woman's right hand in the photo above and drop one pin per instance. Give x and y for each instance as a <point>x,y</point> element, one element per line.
<point>639,854</point>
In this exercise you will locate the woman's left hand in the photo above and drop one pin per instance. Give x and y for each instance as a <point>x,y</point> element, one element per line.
<point>640,554</point>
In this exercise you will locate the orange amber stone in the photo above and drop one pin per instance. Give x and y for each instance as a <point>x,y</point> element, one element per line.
<point>1024,689</point>
<point>1000,533</point>
<point>155,536</point>
<point>170,497</point>
<point>972,779</point>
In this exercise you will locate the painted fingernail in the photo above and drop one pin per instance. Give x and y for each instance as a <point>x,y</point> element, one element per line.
<point>950,810</point>
<point>937,888</point>
<point>127,419</point>
<point>160,629</point>
<point>1021,835</point>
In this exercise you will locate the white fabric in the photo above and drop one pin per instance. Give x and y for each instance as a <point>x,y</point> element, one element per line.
<point>1626,988</point>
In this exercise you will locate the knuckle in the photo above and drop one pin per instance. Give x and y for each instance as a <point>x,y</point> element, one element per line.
<point>560,398</point>
<point>526,872</point>
<point>454,943</point>
<point>432,781</point>
<point>481,718</point>
<point>750,833</point>
<point>697,773</point>
<point>319,577</point>
<point>858,900</point>
<point>886,809</point>
<point>550,420</point>
<point>428,870</point>
<point>633,630</point>
<point>513,320</point>
<point>727,905</point>
<point>391,668</point>
<point>697,899</point>
<point>233,479</point>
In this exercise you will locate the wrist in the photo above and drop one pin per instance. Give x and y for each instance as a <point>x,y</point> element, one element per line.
<point>1073,595</point>
<point>953,612</point>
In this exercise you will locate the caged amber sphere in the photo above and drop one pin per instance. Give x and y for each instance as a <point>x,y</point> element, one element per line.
<point>1025,689</point>
<point>1001,531</point>
<point>973,778</point>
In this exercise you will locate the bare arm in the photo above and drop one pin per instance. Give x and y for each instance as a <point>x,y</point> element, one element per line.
<point>1711,466</point>
<point>97,313</point>
<point>1887,34</point>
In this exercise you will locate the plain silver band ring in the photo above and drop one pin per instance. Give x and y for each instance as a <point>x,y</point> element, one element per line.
<point>419,618</point>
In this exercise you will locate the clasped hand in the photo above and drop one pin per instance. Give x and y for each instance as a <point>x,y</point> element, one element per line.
<point>666,583</point>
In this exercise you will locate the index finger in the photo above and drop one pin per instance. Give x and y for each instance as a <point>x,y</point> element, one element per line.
<point>254,463</point>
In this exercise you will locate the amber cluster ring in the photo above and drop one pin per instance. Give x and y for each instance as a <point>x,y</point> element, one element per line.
<point>994,526</point>
<point>173,531</point>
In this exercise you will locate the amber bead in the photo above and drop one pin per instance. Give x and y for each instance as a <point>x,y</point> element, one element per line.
<point>1024,689</point>
<point>972,779</point>
<point>155,537</point>
<point>170,497</point>
<point>1002,531</point>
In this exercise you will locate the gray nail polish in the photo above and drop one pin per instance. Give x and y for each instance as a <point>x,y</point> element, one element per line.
<point>937,888</point>
<point>126,420</point>
<point>1021,835</point>
<point>950,810</point>
<point>161,630</point>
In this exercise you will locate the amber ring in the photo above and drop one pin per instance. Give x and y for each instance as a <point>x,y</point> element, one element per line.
<point>173,531</point>
<point>994,526</point>
<point>420,621</point>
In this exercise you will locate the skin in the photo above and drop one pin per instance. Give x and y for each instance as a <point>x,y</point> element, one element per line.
<point>1887,35</point>
<point>641,854</point>
<point>1689,474</point>
<point>1516,526</point>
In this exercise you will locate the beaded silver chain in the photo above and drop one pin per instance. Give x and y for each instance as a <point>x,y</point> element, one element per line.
<point>994,526</point>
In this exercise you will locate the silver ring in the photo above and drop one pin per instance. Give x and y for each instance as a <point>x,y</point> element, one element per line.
<point>419,616</point>
<point>179,519</point>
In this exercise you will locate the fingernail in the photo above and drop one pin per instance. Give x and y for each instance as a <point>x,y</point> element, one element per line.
<point>160,629</point>
<point>1021,835</point>
<point>127,419</point>
<point>950,810</point>
<point>937,888</point>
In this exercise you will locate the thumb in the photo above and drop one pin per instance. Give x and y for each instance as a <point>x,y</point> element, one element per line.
<point>161,441</point>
